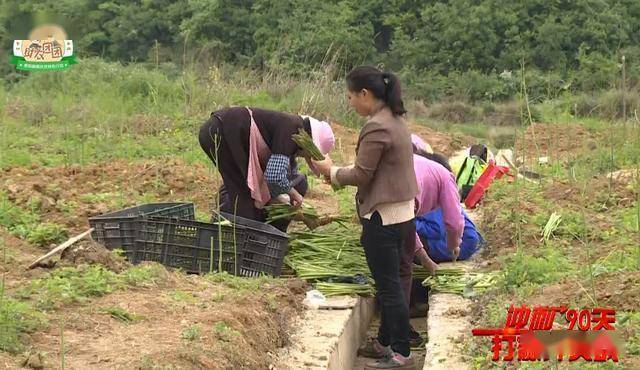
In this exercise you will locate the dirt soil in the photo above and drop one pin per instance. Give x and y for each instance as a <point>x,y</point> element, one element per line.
<point>184,321</point>
<point>606,293</point>
<point>19,255</point>
<point>89,252</point>
<point>555,141</point>
<point>599,200</point>
<point>69,195</point>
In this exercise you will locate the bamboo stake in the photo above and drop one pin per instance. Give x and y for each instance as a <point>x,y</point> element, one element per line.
<point>60,248</point>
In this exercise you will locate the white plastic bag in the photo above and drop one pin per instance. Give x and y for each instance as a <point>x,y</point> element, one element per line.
<point>314,299</point>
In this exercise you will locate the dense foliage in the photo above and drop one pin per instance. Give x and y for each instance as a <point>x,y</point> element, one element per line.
<point>458,48</point>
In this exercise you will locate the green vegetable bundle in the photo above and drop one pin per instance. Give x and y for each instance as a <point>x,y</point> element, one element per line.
<point>334,289</point>
<point>305,142</point>
<point>281,211</point>
<point>324,258</point>
<point>457,281</point>
<point>551,226</point>
<point>306,214</point>
<point>422,273</point>
<point>315,255</point>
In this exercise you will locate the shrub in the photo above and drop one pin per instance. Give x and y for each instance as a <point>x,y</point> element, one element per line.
<point>474,86</point>
<point>454,111</point>
<point>611,103</point>
<point>505,114</point>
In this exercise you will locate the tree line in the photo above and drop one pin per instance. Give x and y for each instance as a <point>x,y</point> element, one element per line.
<point>438,46</point>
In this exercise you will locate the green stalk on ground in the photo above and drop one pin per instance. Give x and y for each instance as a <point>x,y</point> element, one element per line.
<point>335,289</point>
<point>457,281</point>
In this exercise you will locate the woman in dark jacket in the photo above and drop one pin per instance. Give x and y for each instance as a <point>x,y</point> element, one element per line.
<point>256,157</point>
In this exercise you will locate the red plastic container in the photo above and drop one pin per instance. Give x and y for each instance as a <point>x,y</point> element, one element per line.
<point>484,181</point>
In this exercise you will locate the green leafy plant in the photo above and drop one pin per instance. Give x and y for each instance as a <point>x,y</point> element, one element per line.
<point>192,333</point>
<point>224,332</point>
<point>70,284</point>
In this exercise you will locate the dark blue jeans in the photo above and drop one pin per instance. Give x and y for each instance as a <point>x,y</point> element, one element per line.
<point>383,247</point>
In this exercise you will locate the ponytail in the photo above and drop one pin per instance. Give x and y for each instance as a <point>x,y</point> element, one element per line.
<point>383,85</point>
<point>393,93</point>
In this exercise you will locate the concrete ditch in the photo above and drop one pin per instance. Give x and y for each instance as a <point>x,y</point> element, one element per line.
<point>329,337</point>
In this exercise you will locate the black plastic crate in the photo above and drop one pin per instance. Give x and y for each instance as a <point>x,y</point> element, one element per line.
<point>190,245</point>
<point>118,229</point>
<point>264,249</point>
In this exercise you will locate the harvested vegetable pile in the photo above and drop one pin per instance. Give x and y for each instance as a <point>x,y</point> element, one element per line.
<point>457,281</point>
<point>333,260</point>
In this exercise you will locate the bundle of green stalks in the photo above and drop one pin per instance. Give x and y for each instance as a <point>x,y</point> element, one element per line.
<point>321,256</point>
<point>419,272</point>
<point>334,289</point>
<point>285,211</point>
<point>457,281</point>
<point>422,273</point>
<point>306,214</point>
<point>304,141</point>
<point>315,255</point>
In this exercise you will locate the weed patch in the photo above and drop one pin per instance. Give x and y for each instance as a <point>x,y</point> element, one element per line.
<point>521,268</point>
<point>26,224</point>
<point>77,285</point>
<point>192,333</point>
<point>16,318</point>
<point>241,283</point>
<point>224,332</point>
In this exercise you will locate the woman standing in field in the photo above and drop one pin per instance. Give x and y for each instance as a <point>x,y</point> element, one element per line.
<point>256,157</point>
<point>383,172</point>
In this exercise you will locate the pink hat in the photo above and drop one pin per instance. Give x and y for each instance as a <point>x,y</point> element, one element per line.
<point>418,143</point>
<point>321,134</point>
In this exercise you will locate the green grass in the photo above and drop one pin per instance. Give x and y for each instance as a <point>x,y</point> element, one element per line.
<point>182,296</point>
<point>79,284</point>
<point>17,318</point>
<point>598,233</point>
<point>98,111</point>
<point>224,332</point>
<point>522,269</point>
<point>242,284</point>
<point>24,313</point>
<point>26,224</point>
